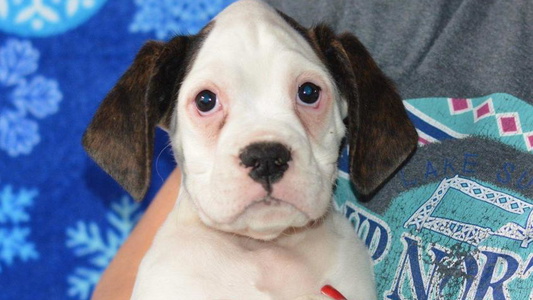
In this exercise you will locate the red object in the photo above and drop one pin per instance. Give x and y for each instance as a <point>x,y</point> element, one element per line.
<point>331,292</point>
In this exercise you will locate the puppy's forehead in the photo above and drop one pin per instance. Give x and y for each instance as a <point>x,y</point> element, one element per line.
<point>251,31</point>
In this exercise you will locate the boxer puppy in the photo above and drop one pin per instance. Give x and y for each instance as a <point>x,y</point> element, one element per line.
<point>256,108</point>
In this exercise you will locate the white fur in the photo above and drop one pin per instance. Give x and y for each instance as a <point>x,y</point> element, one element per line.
<point>222,240</point>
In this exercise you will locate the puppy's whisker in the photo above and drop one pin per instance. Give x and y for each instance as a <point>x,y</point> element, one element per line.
<point>157,161</point>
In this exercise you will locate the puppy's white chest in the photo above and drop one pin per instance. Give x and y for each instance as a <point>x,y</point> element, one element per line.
<point>189,260</point>
<point>284,274</point>
<point>211,267</point>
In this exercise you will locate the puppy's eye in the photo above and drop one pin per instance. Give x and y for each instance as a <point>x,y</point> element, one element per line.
<point>206,101</point>
<point>308,94</point>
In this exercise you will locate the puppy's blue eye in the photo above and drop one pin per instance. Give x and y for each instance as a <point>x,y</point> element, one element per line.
<point>308,93</point>
<point>206,101</point>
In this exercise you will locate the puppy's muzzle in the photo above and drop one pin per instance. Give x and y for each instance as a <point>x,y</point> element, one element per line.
<point>267,160</point>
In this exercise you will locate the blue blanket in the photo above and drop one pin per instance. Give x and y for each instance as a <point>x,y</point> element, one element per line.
<point>61,217</point>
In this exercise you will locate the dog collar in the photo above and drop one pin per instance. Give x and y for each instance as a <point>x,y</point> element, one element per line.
<point>331,292</point>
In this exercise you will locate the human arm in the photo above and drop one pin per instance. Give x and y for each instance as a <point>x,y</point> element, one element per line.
<point>118,279</point>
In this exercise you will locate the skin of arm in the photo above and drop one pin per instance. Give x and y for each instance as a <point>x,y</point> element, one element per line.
<point>118,279</point>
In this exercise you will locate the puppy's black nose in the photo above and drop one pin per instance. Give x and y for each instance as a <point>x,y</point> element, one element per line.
<point>268,161</point>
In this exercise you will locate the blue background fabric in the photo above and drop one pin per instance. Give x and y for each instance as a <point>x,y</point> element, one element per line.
<point>61,217</point>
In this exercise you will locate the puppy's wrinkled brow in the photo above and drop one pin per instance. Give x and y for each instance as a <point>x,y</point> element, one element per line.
<point>196,44</point>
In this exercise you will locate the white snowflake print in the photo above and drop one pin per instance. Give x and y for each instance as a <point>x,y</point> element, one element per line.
<point>99,245</point>
<point>45,17</point>
<point>24,96</point>
<point>170,17</point>
<point>14,229</point>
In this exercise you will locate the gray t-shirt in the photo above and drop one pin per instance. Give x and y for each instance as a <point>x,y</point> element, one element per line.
<point>456,222</point>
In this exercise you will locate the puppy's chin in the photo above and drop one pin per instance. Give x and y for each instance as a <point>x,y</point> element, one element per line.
<point>266,220</point>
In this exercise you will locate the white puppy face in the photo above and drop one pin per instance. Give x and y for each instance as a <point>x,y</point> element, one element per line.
<point>249,76</point>
<point>254,107</point>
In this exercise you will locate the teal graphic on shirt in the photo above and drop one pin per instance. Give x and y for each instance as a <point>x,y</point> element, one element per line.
<point>450,234</point>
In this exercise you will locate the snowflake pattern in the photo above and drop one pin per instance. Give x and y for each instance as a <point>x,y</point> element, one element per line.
<point>169,17</point>
<point>98,246</point>
<point>45,17</point>
<point>14,231</point>
<point>23,95</point>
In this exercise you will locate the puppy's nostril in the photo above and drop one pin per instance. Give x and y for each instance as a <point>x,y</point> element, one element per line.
<point>268,161</point>
<point>280,162</point>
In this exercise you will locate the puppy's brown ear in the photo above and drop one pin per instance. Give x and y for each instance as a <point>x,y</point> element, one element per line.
<point>380,135</point>
<point>120,137</point>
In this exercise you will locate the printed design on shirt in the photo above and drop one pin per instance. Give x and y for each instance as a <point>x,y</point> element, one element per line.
<point>460,239</point>
<point>474,234</point>
<point>451,234</point>
<point>499,116</point>
<point>45,17</point>
<point>430,130</point>
<point>473,242</point>
<point>375,233</point>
